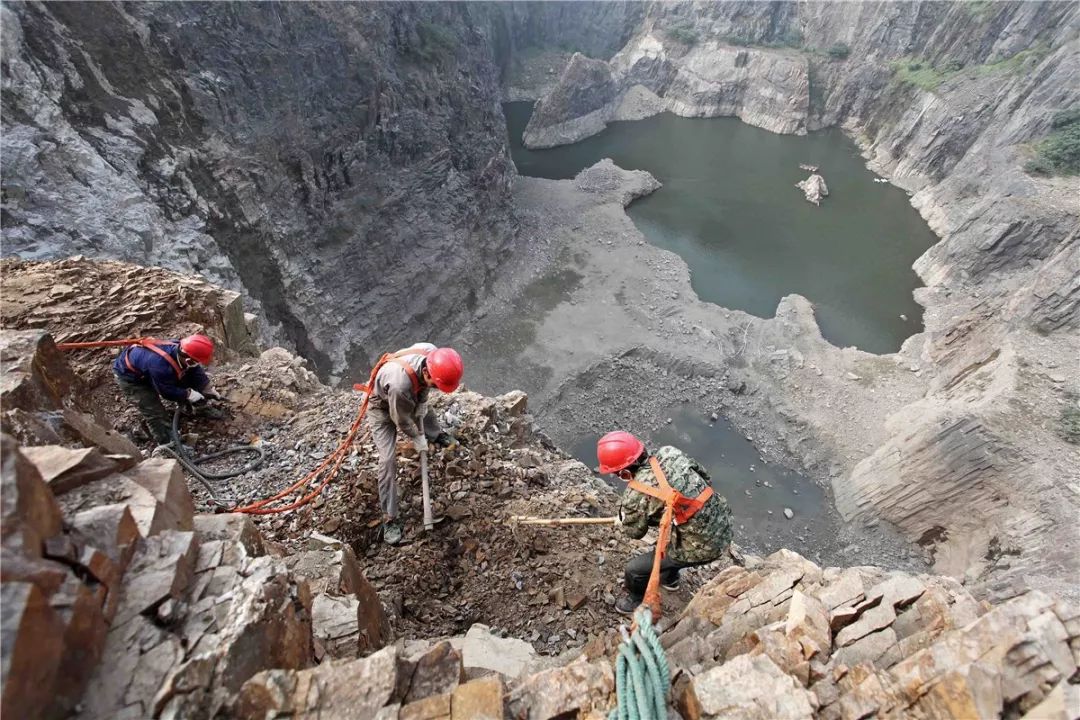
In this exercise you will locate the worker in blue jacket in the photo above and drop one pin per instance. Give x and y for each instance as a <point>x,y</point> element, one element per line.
<point>173,370</point>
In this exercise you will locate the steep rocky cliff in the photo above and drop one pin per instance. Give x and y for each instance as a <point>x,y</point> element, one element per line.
<point>121,600</point>
<point>318,157</point>
<point>945,99</point>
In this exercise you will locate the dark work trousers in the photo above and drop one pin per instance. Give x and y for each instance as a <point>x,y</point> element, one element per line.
<point>639,568</point>
<point>146,399</point>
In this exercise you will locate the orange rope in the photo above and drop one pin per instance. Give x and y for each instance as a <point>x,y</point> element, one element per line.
<point>100,344</point>
<point>328,468</point>
<point>652,590</point>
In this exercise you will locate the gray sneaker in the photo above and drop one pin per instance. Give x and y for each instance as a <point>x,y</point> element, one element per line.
<point>393,531</point>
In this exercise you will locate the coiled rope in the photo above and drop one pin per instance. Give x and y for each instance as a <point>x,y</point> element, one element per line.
<point>642,674</point>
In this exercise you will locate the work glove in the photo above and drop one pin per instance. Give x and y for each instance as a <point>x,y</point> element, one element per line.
<point>446,440</point>
<point>420,443</point>
<point>194,396</point>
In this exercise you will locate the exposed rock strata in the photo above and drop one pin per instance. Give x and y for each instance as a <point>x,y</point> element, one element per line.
<point>289,153</point>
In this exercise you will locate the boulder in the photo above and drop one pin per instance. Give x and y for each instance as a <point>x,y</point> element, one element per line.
<point>482,651</point>
<point>240,538</point>
<point>579,688</point>
<point>334,624</point>
<point>65,469</point>
<point>746,688</point>
<point>437,671</point>
<point>84,428</point>
<point>436,707</point>
<point>31,650</point>
<point>35,375</point>
<point>332,569</point>
<point>164,479</point>
<point>110,528</point>
<point>84,610</point>
<point>336,690</point>
<point>513,403</point>
<point>814,188</point>
<point>162,568</point>
<point>480,699</point>
<point>29,513</point>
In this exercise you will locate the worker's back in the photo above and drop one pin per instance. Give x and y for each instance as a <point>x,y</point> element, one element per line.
<point>703,537</point>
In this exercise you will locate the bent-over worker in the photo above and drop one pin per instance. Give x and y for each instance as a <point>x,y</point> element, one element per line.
<point>399,403</point>
<point>170,369</point>
<point>702,532</point>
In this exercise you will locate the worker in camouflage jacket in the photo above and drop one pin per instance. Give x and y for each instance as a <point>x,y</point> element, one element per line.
<point>701,539</point>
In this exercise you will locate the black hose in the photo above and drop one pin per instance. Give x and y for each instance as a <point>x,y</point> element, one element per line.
<point>191,464</point>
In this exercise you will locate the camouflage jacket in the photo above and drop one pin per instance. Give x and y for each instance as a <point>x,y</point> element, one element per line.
<point>701,539</point>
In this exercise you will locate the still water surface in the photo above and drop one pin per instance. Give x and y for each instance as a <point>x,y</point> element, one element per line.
<point>730,209</point>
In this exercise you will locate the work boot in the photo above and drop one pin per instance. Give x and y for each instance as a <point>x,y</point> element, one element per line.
<point>627,605</point>
<point>393,531</point>
<point>671,584</point>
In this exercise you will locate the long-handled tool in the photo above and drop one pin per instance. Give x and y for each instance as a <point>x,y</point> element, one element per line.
<point>429,522</point>
<point>528,520</point>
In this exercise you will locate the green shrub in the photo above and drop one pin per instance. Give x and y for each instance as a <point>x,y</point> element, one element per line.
<point>1061,149</point>
<point>683,32</point>
<point>1070,421</point>
<point>437,42</point>
<point>839,51</point>
<point>1038,166</point>
<point>914,72</point>
<point>792,38</point>
<point>952,66</point>
<point>1063,118</point>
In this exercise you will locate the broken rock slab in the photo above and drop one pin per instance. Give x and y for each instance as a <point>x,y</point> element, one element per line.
<point>483,652</point>
<point>337,690</point>
<point>110,528</point>
<point>65,469</point>
<point>437,671</point>
<point>164,479</point>
<point>580,687</point>
<point>29,513</point>
<point>31,650</point>
<point>745,688</point>
<point>83,427</point>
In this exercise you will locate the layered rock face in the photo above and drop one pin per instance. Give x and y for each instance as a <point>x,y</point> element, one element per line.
<point>316,157</point>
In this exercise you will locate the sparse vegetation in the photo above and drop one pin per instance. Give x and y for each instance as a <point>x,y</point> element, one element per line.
<point>436,42</point>
<point>839,51</point>
<point>1070,420</point>
<point>929,75</point>
<point>683,32</point>
<point>1059,152</point>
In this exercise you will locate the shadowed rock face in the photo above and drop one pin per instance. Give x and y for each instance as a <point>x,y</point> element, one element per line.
<point>319,157</point>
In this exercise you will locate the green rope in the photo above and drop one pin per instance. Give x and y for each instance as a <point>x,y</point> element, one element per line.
<point>642,673</point>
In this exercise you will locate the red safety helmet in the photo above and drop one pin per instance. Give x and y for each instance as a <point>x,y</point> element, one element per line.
<point>445,367</point>
<point>617,451</point>
<point>199,348</point>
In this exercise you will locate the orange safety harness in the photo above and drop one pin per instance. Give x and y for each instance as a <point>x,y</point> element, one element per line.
<point>151,344</point>
<point>397,358</point>
<point>677,508</point>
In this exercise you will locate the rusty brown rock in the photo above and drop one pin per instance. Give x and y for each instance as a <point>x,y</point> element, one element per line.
<point>29,513</point>
<point>480,699</point>
<point>30,652</point>
<point>575,688</point>
<point>164,567</point>
<point>438,671</point>
<point>336,690</point>
<point>65,469</point>
<point>35,375</point>
<point>110,528</point>
<point>164,479</point>
<point>86,429</point>
<point>436,707</point>
<point>749,688</point>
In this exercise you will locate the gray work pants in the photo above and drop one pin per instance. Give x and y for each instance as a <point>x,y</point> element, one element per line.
<point>154,413</point>
<point>384,434</point>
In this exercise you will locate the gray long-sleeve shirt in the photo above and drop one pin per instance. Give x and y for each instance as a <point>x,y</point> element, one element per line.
<point>394,393</point>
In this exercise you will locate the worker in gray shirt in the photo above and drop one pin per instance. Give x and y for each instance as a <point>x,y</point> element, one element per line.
<point>399,403</point>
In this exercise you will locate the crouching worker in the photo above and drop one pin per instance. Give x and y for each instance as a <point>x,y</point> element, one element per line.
<point>170,369</point>
<point>399,403</point>
<point>701,532</point>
